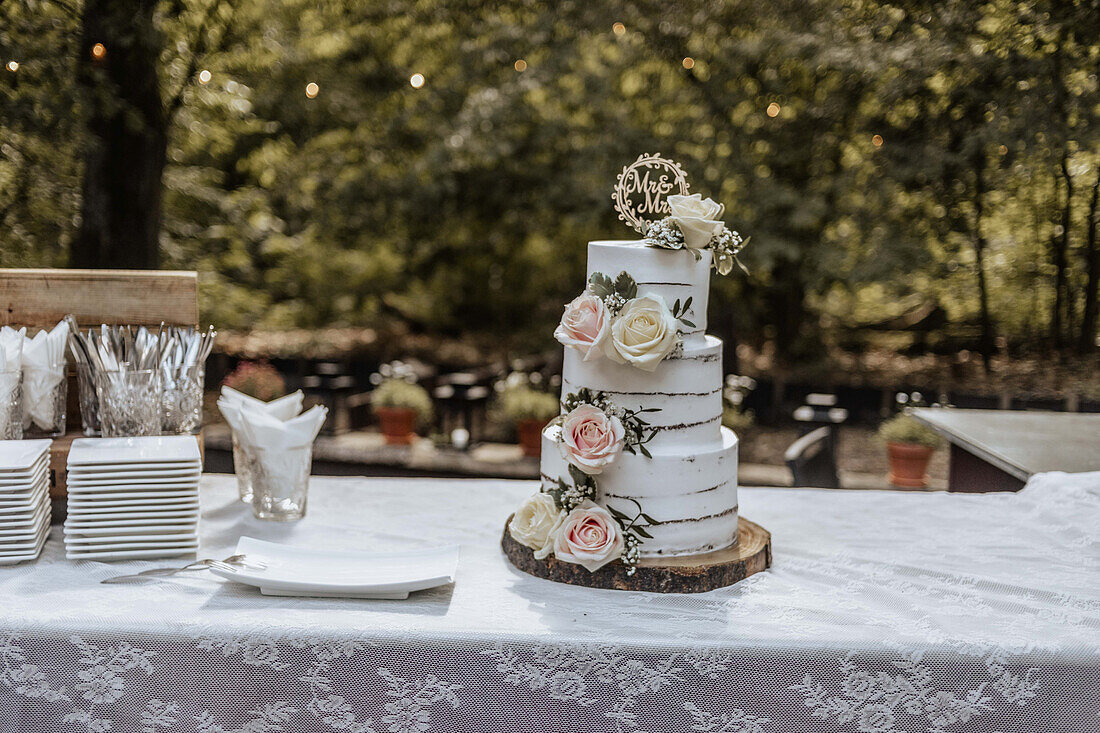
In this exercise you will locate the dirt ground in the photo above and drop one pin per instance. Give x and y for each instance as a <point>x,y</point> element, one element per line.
<point>859,449</point>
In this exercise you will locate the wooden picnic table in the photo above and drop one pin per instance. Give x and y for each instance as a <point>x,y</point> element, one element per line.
<point>999,450</point>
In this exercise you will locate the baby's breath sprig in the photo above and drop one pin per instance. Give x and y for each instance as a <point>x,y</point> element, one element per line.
<point>726,245</point>
<point>664,233</point>
<point>569,496</point>
<point>614,293</point>
<point>633,534</point>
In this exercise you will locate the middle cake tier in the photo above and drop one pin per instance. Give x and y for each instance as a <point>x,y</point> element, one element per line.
<point>686,391</point>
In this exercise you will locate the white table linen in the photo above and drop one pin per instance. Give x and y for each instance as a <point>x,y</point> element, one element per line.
<point>884,612</point>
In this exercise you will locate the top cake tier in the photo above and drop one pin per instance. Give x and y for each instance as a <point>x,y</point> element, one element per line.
<point>672,274</point>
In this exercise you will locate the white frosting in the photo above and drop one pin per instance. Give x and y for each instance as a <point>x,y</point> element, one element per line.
<point>689,485</point>
<point>686,388</point>
<point>671,274</point>
<point>692,495</point>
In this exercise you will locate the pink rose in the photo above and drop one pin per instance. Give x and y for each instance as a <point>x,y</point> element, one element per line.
<point>590,438</point>
<point>589,536</point>
<point>584,325</point>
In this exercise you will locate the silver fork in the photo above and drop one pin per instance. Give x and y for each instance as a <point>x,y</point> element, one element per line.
<point>231,564</point>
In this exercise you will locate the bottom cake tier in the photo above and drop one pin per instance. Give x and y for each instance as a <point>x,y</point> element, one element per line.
<point>691,495</point>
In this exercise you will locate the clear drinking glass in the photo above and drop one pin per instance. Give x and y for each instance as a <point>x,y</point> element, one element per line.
<point>11,404</point>
<point>242,466</point>
<point>89,402</point>
<point>280,482</point>
<point>181,398</point>
<point>45,391</point>
<point>129,402</point>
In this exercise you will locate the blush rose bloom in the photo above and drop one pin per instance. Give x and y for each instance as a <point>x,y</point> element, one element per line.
<point>535,522</point>
<point>589,537</point>
<point>590,438</point>
<point>699,219</point>
<point>585,325</point>
<point>643,334</point>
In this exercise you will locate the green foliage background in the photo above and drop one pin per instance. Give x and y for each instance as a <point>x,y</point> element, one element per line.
<point>465,205</point>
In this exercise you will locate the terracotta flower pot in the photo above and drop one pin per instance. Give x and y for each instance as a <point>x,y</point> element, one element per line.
<point>398,424</point>
<point>530,436</point>
<point>909,464</point>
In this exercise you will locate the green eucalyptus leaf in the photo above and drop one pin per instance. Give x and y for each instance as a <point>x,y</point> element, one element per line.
<point>600,285</point>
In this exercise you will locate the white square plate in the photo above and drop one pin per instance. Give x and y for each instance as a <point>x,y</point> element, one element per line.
<point>30,503</point>
<point>126,468</point>
<point>91,523</point>
<point>42,513</point>
<point>129,554</point>
<point>132,486</point>
<point>30,544</point>
<point>179,513</point>
<point>149,449</point>
<point>20,498</point>
<point>182,474</point>
<point>137,505</point>
<point>21,455</point>
<point>158,497</point>
<point>11,514</point>
<point>24,557</point>
<point>130,542</point>
<point>167,533</point>
<point>304,571</point>
<point>182,545</point>
<point>8,478</point>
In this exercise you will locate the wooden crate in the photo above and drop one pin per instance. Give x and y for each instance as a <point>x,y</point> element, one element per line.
<point>39,298</point>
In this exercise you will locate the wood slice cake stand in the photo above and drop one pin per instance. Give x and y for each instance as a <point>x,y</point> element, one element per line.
<point>689,574</point>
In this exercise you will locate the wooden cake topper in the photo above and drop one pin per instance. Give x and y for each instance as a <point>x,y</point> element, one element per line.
<point>642,188</point>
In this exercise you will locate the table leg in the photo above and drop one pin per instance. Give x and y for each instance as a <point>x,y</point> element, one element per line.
<point>969,473</point>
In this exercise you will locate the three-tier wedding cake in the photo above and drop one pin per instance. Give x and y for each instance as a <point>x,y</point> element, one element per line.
<point>638,465</point>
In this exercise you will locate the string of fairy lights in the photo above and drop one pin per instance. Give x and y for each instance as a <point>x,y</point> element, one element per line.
<point>417,80</point>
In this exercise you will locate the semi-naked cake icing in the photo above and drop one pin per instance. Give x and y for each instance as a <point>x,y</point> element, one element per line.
<point>638,466</point>
<point>688,484</point>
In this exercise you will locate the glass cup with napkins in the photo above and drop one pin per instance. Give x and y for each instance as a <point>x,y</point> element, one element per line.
<point>281,454</point>
<point>283,408</point>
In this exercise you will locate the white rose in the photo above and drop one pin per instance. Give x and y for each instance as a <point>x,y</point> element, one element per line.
<point>699,219</point>
<point>589,537</point>
<point>643,334</point>
<point>535,522</point>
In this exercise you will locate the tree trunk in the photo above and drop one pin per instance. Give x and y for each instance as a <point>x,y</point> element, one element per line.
<point>127,137</point>
<point>1059,256</point>
<point>1089,321</point>
<point>985,341</point>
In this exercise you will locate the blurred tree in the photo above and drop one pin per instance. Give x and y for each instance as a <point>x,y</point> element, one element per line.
<point>346,162</point>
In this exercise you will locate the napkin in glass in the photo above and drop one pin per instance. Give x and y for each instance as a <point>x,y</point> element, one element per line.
<point>43,372</point>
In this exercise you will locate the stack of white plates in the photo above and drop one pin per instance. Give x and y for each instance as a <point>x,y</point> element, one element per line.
<point>24,499</point>
<point>133,497</point>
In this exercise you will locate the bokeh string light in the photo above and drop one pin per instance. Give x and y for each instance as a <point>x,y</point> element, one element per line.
<point>99,52</point>
<point>876,140</point>
<point>520,65</point>
<point>312,89</point>
<point>416,80</point>
<point>773,109</point>
<point>618,28</point>
<point>13,66</point>
<point>688,62</point>
<point>204,76</point>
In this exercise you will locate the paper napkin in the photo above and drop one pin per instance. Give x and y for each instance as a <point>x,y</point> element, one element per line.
<point>43,371</point>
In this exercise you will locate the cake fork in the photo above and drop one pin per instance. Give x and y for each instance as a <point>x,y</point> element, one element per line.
<point>231,563</point>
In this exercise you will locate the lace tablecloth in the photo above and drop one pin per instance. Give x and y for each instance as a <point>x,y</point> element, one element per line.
<point>883,612</point>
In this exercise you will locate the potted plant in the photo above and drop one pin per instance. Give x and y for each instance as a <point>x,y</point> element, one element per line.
<point>257,379</point>
<point>909,448</point>
<point>529,410</point>
<point>399,405</point>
